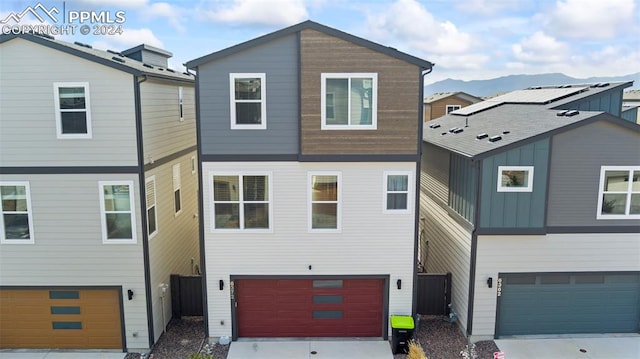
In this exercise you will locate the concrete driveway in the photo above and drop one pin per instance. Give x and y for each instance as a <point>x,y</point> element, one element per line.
<point>368,349</point>
<point>571,348</point>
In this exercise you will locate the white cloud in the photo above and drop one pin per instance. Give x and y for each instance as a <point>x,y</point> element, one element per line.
<point>540,48</point>
<point>128,39</point>
<point>409,22</point>
<point>116,3</point>
<point>260,12</point>
<point>486,7</point>
<point>173,14</point>
<point>599,19</point>
<point>147,10</point>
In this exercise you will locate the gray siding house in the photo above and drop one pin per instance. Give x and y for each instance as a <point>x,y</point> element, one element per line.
<point>98,184</point>
<point>309,148</point>
<point>532,201</point>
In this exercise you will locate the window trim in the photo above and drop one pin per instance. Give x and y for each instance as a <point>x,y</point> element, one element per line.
<point>155,204</point>
<point>263,100</point>
<point>177,186</point>
<point>310,202</point>
<point>3,239</point>
<point>103,213</point>
<point>348,75</point>
<point>181,103</point>
<point>58,110</point>
<point>629,192</point>
<point>409,190</point>
<point>241,201</point>
<point>194,165</point>
<point>529,187</point>
<point>453,108</point>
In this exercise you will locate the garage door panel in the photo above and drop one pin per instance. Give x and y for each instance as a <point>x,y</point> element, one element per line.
<point>568,304</point>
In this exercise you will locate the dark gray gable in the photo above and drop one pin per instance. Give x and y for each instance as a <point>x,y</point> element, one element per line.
<point>314,26</point>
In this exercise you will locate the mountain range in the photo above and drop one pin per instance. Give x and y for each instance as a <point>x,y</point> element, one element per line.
<point>482,88</point>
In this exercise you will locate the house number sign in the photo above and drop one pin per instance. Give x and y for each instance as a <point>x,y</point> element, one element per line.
<point>499,286</point>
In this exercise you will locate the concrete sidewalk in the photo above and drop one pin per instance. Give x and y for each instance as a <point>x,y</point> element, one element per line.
<point>58,354</point>
<point>571,348</point>
<point>368,349</point>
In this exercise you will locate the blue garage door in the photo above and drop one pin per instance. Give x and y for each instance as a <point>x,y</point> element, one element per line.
<point>568,303</point>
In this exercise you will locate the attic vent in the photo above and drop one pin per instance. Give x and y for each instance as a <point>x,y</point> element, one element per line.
<point>456,130</point>
<point>115,53</point>
<point>571,113</point>
<point>602,84</point>
<point>442,134</point>
<point>434,126</point>
<point>147,65</point>
<point>564,86</point>
<point>160,68</point>
<point>186,73</point>
<point>83,45</point>
<point>506,132</point>
<point>535,87</point>
<point>117,59</point>
<point>561,113</point>
<point>41,34</point>
<point>482,136</point>
<point>495,138</point>
<point>170,70</point>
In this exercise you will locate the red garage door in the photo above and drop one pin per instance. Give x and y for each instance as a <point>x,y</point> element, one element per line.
<point>309,307</point>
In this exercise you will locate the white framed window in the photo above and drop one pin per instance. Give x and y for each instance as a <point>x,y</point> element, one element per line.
<point>241,201</point>
<point>451,108</point>
<point>325,193</point>
<point>248,101</point>
<point>16,214</point>
<point>194,165</point>
<point>397,192</point>
<point>349,101</point>
<point>180,103</point>
<point>619,192</point>
<point>117,211</point>
<point>177,190</point>
<point>152,209</point>
<point>72,109</point>
<point>515,178</point>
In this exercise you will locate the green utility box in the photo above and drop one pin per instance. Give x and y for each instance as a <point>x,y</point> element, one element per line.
<point>402,327</point>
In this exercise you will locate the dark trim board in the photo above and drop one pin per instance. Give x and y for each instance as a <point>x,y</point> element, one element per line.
<point>171,157</point>
<point>361,158</point>
<point>247,158</point>
<point>510,231</point>
<point>54,170</point>
<point>385,295</point>
<point>599,229</point>
<point>82,287</point>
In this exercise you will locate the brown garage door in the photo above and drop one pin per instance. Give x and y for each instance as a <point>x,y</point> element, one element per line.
<point>309,308</point>
<point>60,319</point>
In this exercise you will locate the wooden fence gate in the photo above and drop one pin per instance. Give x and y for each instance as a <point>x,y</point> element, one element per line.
<point>434,293</point>
<point>186,295</point>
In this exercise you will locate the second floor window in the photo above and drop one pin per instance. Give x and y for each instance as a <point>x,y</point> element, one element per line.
<point>177,189</point>
<point>349,101</point>
<point>248,101</point>
<point>451,108</point>
<point>619,195</point>
<point>152,214</point>
<point>15,216</point>
<point>72,110</point>
<point>241,201</point>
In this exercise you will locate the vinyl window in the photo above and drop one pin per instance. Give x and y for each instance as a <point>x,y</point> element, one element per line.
<point>451,108</point>
<point>177,190</point>
<point>117,212</point>
<point>16,219</point>
<point>349,101</point>
<point>241,201</point>
<point>397,189</point>
<point>248,101</point>
<point>619,192</point>
<point>152,208</point>
<point>324,201</point>
<point>72,110</point>
<point>180,103</point>
<point>515,178</point>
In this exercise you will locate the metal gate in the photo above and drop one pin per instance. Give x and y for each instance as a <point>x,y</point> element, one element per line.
<point>186,295</point>
<point>434,293</point>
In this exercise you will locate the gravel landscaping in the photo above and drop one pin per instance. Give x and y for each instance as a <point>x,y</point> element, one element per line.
<point>439,339</point>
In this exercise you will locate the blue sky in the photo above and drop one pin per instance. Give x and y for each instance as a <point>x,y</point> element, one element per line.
<point>466,39</point>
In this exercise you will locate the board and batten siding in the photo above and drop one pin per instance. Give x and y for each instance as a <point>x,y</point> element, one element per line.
<point>609,101</point>
<point>174,249</point>
<point>27,115</point>
<point>449,251</point>
<point>370,242</point>
<point>583,252</point>
<point>435,171</point>
<point>576,160</point>
<point>515,209</point>
<point>398,98</point>
<point>68,248</point>
<point>278,60</point>
<point>163,132</point>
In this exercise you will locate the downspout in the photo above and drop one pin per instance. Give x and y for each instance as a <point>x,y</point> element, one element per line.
<point>416,225</point>
<point>474,248</point>
<point>137,80</point>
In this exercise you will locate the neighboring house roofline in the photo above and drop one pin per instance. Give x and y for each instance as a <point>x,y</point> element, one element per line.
<point>126,64</point>
<point>598,116</point>
<point>444,95</point>
<point>148,48</point>
<point>313,26</point>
